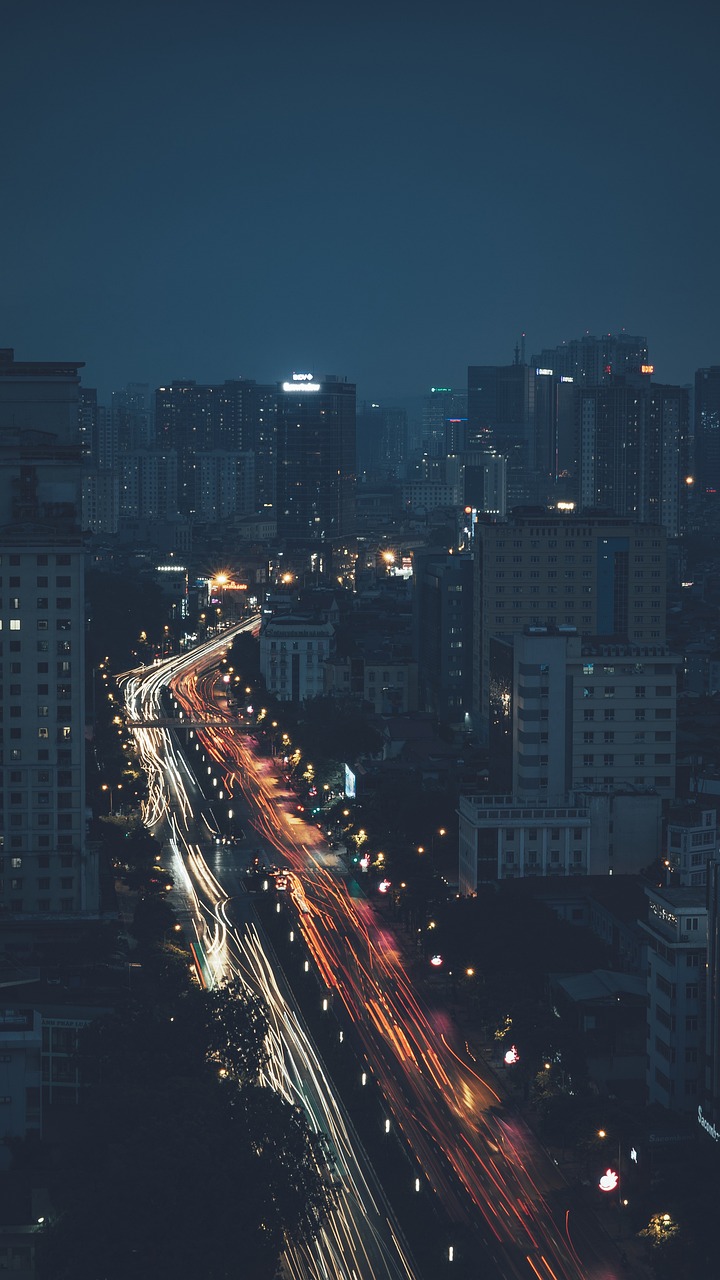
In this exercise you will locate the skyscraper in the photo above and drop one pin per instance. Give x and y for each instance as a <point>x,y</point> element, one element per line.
<point>315,458</point>
<point>46,867</point>
<point>707,429</point>
<point>591,361</point>
<point>633,440</point>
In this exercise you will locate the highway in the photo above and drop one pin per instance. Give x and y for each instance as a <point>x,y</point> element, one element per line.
<point>360,1240</point>
<point>471,1150</point>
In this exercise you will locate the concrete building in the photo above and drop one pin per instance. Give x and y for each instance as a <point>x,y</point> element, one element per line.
<point>315,459</point>
<point>633,450</point>
<point>224,485</point>
<point>47,869</point>
<point>442,633</point>
<point>603,576</point>
<point>20,1073</point>
<point>586,714</point>
<point>692,843</point>
<point>677,946</point>
<point>707,429</point>
<point>293,650</point>
<point>501,838</point>
<point>149,485</point>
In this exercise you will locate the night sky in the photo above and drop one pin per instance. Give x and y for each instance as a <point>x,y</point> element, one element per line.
<point>214,189</point>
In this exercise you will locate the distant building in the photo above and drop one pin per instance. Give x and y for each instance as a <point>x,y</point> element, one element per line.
<point>633,450</point>
<point>707,429</point>
<point>593,361</point>
<point>442,633</point>
<point>315,459</point>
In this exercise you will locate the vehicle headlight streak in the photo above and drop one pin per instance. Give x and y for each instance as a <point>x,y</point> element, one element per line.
<point>358,1242</point>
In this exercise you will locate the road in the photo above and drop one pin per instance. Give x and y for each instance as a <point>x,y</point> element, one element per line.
<point>472,1151</point>
<point>361,1240</point>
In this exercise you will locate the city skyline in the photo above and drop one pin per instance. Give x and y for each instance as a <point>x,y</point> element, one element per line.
<point>388,197</point>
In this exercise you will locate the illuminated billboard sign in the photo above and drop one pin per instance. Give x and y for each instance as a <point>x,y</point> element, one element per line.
<point>349,783</point>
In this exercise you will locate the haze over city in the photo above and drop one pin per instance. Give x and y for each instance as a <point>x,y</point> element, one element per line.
<point>388,192</point>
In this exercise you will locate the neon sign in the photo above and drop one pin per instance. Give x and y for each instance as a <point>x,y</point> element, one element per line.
<point>609,1180</point>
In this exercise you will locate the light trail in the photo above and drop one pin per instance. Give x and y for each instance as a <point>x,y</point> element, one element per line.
<point>483,1166</point>
<point>359,1240</point>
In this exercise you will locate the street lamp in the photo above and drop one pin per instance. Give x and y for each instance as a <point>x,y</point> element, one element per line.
<point>107,787</point>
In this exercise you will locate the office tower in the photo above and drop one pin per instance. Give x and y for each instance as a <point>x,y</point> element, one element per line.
<point>315,458</point>
<point>485,483</point>
<point>604,576</point>
<point>501,416</point>
<point>633,439</point>
<point>592,361</point>
<point>382,442</point>
<point>707,429</point>
<point>441,405</point>
<point>556,445</point>
<point>501,406</point>
<point>677,935</point>
<point>133,417</point>
<point>46,867</point>
<point>442,633</point>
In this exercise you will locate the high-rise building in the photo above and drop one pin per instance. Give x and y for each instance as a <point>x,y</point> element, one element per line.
<point>315,458</point>
<point>501,406</point>
<point>149,485</point>
<point>441,406</point>
<point>633,441</point>
<point>133,417</point>
<point>233,416</point>
<point>442,633</point>
<point>602,575</point>
<point>47,869</point>
<point>224,485</point>
<point>592,361</point>
<point>382,442</point>
<point>707,429</point>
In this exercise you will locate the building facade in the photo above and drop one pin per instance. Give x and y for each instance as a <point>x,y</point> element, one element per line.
<point>603,576</point>
<point>315,459</point>
<point>47,868</point>
<point>677,946</point>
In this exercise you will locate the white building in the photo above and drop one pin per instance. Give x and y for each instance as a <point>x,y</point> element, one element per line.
<point>677,952</point>
<point>293,650</point>
<point>502,839</point>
